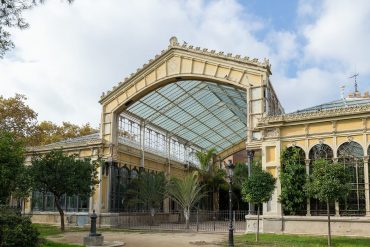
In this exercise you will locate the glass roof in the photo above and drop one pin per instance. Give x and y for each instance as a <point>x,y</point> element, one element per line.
<point>204,113</point>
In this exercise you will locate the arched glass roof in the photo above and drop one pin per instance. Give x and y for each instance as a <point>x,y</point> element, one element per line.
<point>204,113</point>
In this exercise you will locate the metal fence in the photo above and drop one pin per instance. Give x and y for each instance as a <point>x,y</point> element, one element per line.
<point>206,221</point>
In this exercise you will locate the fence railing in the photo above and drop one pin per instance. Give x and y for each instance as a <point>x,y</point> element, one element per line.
<point>207,221</point>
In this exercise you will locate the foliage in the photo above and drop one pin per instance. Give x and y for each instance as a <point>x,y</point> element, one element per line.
<point>286,240</point>
<point>60,174</point>
<point>292,179</point>
<point>257,189</point>
<point>12,169</point>
<point>186,192</point>
<point>240,175</point>
<point>11,16</point>
<point>47,132</point>
<point>328,182</point>
<point>16,230</point>
<point>149,190</point>
<point>211,174</point>
<point>17,117</point>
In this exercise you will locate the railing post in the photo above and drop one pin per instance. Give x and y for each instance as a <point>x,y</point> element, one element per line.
<point>197,220</point>
<point>129,220</point>
<point>214,221</point>
<point>234,220</point>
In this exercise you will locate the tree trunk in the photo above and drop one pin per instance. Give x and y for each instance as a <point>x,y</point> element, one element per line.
<point>258,223</point>
<point>187,216</point>
<point>329,230</point>
<point>61,212</point>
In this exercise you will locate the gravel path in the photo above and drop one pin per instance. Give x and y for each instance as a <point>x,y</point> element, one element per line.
<point>143,239</point>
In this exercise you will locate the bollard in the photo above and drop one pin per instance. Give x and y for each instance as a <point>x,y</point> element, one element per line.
<point>93,225</point>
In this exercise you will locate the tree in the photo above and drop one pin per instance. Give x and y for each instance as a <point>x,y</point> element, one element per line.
<point>11,16</point>
<point>292,179</point>
<point>61,175</point>
<point>48,132</point>
<point>257,189</point>
<point>149,190</point>
<point>213,176</point>
<point>12,166</point>
<point>186,192</point>
<point>328,183</point>
<point>17,117</point>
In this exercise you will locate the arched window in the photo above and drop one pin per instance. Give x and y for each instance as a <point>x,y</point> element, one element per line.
<point>320,151</point>
<point>351,155</point>
<point>119,187</point>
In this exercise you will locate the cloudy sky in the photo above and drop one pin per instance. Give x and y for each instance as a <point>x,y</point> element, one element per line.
<point>72,53</point>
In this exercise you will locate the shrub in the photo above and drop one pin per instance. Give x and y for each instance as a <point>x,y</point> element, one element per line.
<point>16,230</point>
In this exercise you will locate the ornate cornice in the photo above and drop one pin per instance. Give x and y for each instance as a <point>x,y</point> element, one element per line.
<point>64,146</point>
<point>292,117</point>
<point>174,44</point>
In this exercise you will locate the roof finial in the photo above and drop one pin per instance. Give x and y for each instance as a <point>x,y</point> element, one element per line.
<point>173,41</point>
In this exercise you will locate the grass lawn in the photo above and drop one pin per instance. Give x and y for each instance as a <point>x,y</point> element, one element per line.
<point>48,230</point>
<point>296,240</point>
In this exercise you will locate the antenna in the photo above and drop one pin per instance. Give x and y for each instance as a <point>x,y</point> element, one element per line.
<point>342,95</point>
<point>355,76</point>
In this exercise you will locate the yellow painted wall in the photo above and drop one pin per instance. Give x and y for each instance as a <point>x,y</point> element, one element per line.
<point>270,154</point>
<point>357,138</point>
<point>292,130</point>
<point>327,140</point>
<point>300,143</point>
<point>322,127</point>
<point>272,171</point>
<point>349,124</point>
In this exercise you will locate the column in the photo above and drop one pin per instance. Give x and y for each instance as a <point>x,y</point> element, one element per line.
<point>307,161</point>
<point>142,143</point>
<point>250,155</point>
<point>366,178</point>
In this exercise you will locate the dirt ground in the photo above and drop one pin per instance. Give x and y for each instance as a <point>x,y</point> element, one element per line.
<point>143,239</point>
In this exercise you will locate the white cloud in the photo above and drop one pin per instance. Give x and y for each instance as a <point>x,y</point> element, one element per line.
<point>72,53</point>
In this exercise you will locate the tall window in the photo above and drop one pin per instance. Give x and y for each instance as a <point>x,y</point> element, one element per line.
<point>177,150</point>
<point>129,129</point>
<point>155,140</point>
<point>351,155</point>
<point>119,187</point>
<point>45,202</point>
<point>320,151</point>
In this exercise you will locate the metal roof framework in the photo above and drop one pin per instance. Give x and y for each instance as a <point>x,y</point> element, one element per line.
<point>206,114</point>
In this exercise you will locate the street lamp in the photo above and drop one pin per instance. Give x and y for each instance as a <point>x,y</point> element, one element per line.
<point>230,172</point>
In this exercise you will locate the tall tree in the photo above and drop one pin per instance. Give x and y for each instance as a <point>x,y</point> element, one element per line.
<point>11,16</point>
<point>211,174</point>
<point>12,166</point>
<point>61,175</point>
<point>328,183</point>
<point>257,189</point>
<point>187,192</point>
<point>17,117</point>
<point>48,132</point>
<point>292,179</point>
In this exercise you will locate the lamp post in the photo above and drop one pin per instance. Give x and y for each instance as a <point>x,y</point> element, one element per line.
<point>230,172</point>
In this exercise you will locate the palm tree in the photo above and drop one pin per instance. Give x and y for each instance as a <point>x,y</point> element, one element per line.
<point>211,174</point>
<point>149,191</point>
<point>186,193</point>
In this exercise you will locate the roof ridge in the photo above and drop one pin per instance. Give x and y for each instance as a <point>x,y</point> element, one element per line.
<point>175,44</point>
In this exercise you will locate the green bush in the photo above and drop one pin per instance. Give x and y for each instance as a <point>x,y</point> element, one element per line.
<point>17,230</point>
